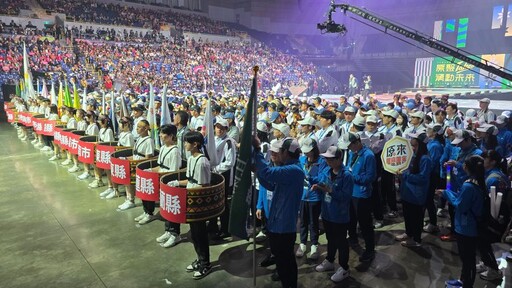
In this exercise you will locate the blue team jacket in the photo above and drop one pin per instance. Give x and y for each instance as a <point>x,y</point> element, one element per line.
<point>336,205</point>
<point>459,176</point>
<point>287,183</point>
<point>414,187</point>
<point>316,172</point>
<point>468,203</point>
<point>364,171</point>
<point>435,151</point>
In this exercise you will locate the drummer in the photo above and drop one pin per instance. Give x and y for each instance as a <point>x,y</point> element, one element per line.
<point>80,126</point>
<point>198,175</point>
<point>70,124</point>
<point>125,140</point>
<point>169,160</point>
<point>144,148</point>
<point>106,134</point>
<point>92,130</point>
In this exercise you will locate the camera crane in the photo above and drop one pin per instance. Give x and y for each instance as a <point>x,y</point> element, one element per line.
<point>329,26</point>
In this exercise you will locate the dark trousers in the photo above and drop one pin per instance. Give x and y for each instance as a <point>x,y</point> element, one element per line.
<point>309,220</point>
<point>413,218</point>
<point>149,206</point>
<point>388,190</point>
<point>442,201</point>
<point>451,211</point>
<point>336,234</point>
<point>467,253</point>
<point>377,201</point>
<point>360,212</point>
<point>281,246</point>
<point>172,227</point>
<point>430,205</point>
<point>199,237</point>
<point>485,250</point>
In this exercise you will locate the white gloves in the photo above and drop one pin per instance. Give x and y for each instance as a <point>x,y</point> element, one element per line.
<point>174,183</point>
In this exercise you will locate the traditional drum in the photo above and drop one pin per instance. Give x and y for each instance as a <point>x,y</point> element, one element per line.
<point>103,152</point>
<point>147,180</point>
<point>182,205</point>
<point>87,149</point>
<point>122,166</point>
<point>38,121</point>
<point>12,115</point>
<point>58,136</point>
<point>74,137</point>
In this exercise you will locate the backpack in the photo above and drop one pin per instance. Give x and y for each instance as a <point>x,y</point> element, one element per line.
<point>489,227</point>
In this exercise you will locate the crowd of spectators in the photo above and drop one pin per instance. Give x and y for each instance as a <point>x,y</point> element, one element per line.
<point>115,14</point>
<point>12,7</point>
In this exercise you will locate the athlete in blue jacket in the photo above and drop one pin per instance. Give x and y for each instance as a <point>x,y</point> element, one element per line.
<point>282,218</point>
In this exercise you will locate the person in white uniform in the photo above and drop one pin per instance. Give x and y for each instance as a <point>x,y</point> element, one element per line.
<point>169,160</point>
<point>144,148</point>
<point>106,134</point>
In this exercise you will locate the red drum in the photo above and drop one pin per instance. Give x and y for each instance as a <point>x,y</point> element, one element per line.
<point>12,115</point>
<point>147,182</point>
<point>122,167</point>
<point>87,149</point>
<point>103,151</point>
<point>25,118</point>
<point>74,137</point>
<point>49,127</point>
<point>181,205</point>
<point>38,121</point>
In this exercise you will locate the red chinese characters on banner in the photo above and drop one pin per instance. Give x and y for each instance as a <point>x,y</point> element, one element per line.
<point>147,185</point>
<point>57,135</point>
<point>48,127</point>
<point>86,152</point>
<point>173,204</point>
<point>103,156</point>
<point>120,171</point>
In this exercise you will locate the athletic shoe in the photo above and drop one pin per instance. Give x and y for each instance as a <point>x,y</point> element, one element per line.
<point>340,275</point>
<point>261,237</point>
<point>313,254</point>
<point>194,266</point>
<point>106,192</point>
<point>34,142</point>
<point>164,237</point>
<point>84,176</point>
<point>440,213</point>
<point>112,194</point>
<point>301,250</point>
<point>66,162</point>
<point>96,184</point>
<point>378,224</point>
<point>480,267</point>
<point>54,158</point>
<point>126,205</point>
<point>172,241</point>
<point>325,266</point>
<point>392,214</point>
<point>138,218</point>
<point>410,243</point>
<point>39,145</point>
<point>453,283</point>
<point>401,237</point>
<point>146,219</point>
<point>429,228</point>
<point>202,272</point>
<point>74,169</point>
<point>46,148</point>
<point>491,275</point>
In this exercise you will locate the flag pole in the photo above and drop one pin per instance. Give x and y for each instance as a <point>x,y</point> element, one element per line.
<point>254,197</point>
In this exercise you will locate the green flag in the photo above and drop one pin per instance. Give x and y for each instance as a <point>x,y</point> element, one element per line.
<point>243,182</point>
<point>18,90</point>
<point>67,96</point>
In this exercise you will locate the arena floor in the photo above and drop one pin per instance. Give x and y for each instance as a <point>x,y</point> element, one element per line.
<point>56,232</point>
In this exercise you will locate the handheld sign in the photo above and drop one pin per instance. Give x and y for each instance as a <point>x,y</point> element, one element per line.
<point>396,154</point>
